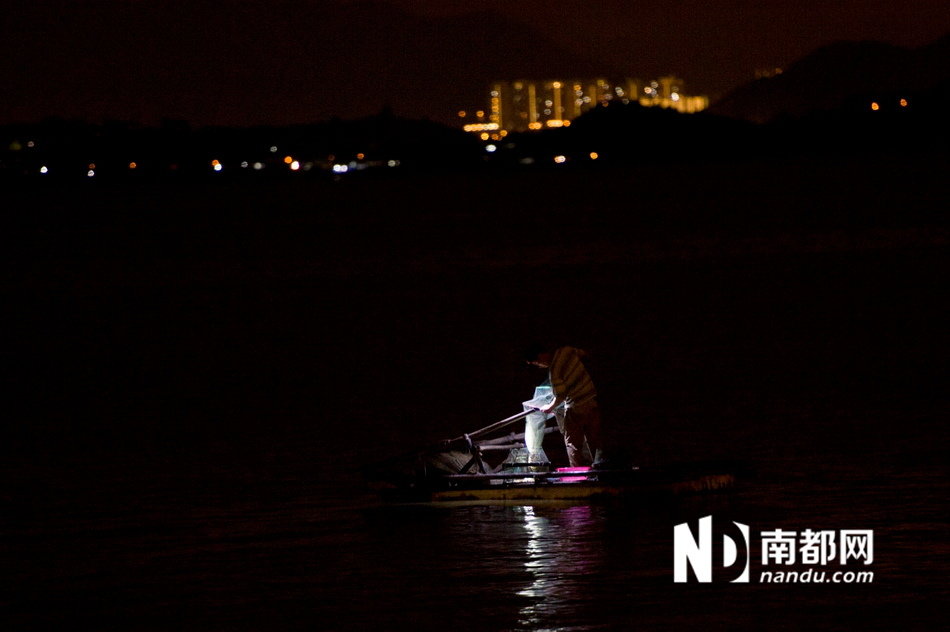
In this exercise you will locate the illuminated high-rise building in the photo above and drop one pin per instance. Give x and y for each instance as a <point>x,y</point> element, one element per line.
<point>667,92</point>
<point>525,104</point>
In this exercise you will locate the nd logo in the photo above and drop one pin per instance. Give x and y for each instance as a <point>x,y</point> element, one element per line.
<point>699,554</point>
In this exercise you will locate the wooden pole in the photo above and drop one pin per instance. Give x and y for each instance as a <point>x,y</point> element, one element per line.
<point>495,426</point>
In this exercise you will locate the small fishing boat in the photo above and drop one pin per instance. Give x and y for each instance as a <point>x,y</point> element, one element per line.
<point>467,470</point>
<point>589,485</point>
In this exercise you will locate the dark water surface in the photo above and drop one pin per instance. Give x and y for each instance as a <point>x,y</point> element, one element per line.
<point>197,374</point>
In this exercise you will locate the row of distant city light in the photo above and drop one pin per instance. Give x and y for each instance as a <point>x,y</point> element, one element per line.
<point>875,106</point>
<point>559,159</point>
<point>294,165</point>
<point>485,128</point>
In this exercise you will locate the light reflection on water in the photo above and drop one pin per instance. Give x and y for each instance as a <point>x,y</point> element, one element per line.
<point>559,550</point>
<point>145,548</point>
<point>268,558</point>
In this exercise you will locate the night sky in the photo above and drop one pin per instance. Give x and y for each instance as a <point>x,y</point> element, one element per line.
<point>271,62</point>
<point>717,44</point>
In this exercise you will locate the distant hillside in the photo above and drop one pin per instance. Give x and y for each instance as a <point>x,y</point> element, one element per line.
<point>278,62</point>
<point>838,76</point>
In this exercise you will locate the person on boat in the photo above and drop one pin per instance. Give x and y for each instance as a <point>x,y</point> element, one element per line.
<point>575,400</point>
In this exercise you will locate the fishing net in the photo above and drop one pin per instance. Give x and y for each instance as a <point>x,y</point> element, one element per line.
<point>535,422</point>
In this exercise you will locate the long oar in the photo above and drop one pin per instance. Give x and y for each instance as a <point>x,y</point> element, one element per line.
<point>493,427</point>
<point>466,441</point>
